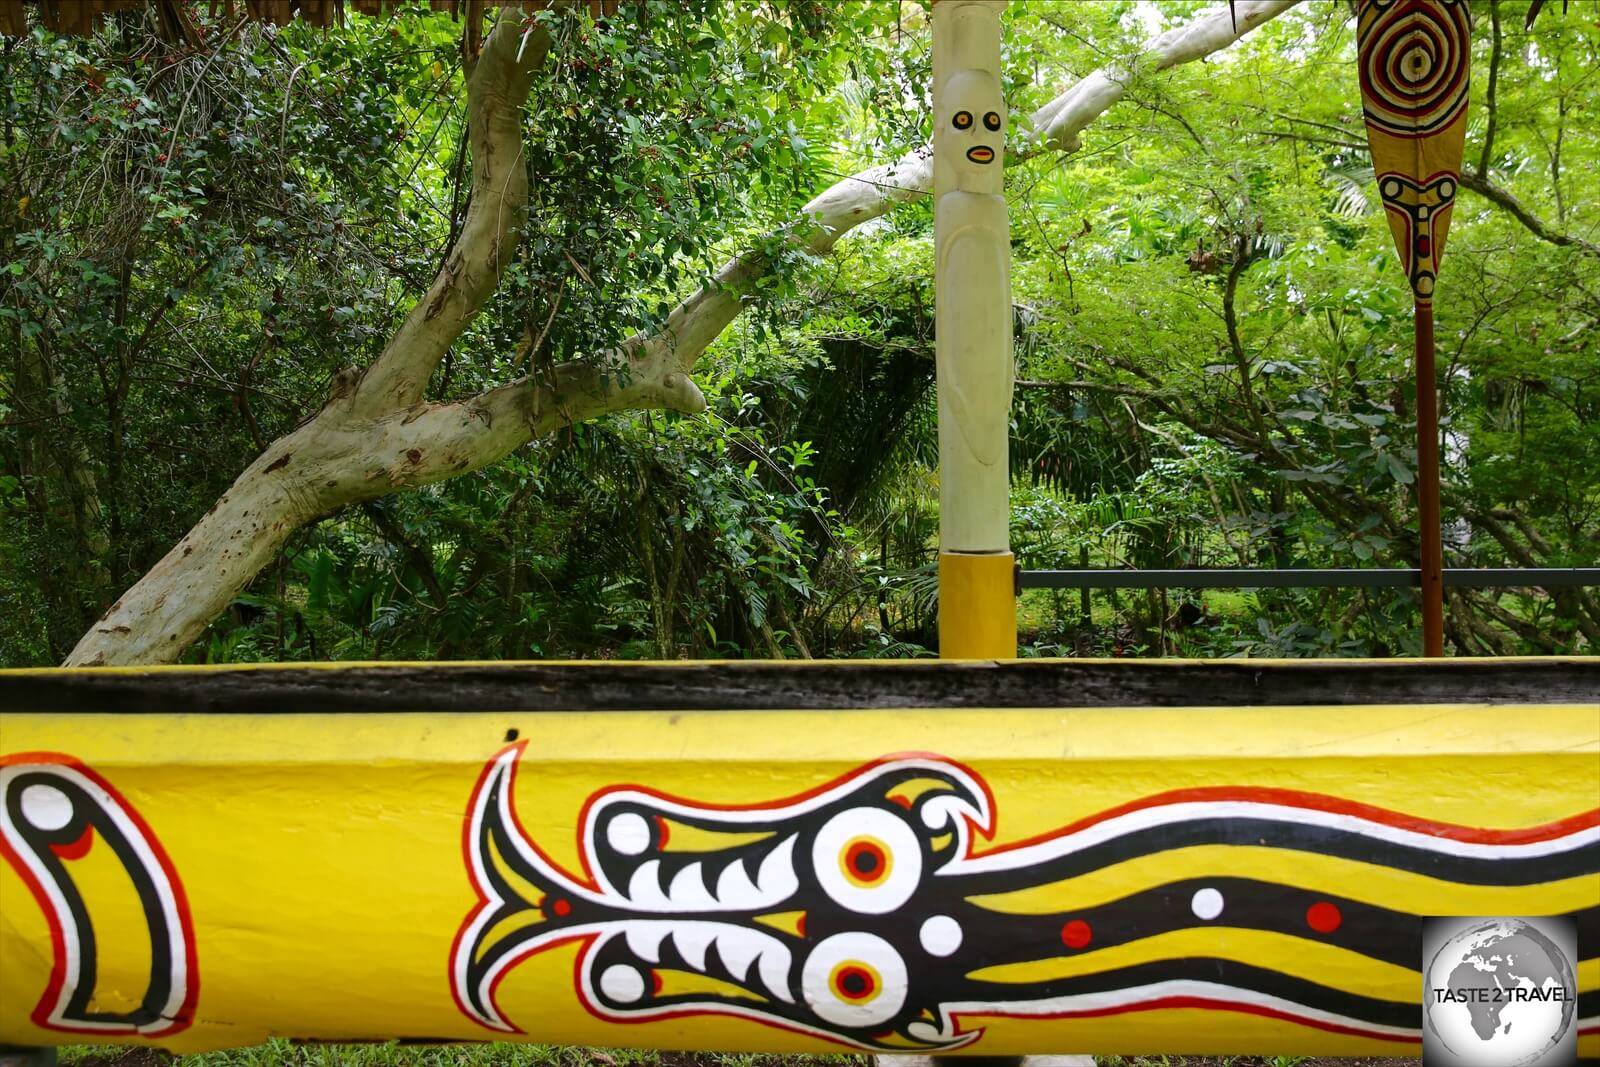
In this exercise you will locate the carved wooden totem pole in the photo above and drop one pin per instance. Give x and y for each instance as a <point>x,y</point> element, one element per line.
<point>977,608</point>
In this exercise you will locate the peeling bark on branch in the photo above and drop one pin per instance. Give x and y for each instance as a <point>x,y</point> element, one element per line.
<point>496,88</point>
<point>351,450</point>
<point>376,435</point>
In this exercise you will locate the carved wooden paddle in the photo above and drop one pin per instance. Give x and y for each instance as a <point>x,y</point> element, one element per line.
<point>1414,58</point>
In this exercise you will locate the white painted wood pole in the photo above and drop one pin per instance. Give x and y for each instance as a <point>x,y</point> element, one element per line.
<point>972,282</point>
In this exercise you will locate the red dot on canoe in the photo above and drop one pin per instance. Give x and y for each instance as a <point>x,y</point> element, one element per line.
<point>1323,917</point>
<point>1076,934</point>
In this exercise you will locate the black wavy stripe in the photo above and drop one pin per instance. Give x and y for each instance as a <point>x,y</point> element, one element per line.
<point>1588,932</point>
<point>1264,980</point>
<point>1295,836</point>
<point>1369,930</point>
<point>1250,904</point>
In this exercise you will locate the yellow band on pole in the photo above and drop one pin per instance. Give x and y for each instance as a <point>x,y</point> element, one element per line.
<point>977,605</point>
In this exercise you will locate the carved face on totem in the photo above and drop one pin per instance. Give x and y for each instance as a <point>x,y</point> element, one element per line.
<point>972,114</point>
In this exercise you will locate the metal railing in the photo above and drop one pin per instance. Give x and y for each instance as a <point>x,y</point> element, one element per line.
<point>1305,577</point>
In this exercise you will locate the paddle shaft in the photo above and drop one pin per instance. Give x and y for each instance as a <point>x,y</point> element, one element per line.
<point>1428,521</point>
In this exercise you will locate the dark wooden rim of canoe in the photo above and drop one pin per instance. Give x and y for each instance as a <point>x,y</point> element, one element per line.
<point>799,685</point>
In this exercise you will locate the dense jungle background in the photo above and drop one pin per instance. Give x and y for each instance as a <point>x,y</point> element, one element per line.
<point>201,234</point>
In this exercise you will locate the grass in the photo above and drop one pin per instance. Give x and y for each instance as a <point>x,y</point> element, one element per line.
<point>282,1053</point>
<point>1221,1061</point>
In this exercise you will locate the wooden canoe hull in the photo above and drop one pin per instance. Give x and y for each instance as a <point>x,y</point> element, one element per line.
<point>594,862</point>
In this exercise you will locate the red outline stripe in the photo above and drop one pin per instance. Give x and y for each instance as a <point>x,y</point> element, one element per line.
<point>1203,1003</point>
<point>1294,798</point>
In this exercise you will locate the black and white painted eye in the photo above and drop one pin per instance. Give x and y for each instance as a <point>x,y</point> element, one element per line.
<point>991,119</point>
<point>854,980</point>
<point>868,860</point>
<point>962,120</point>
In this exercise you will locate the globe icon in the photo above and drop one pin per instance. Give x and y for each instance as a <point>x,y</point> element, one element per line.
<point>1499,994</point>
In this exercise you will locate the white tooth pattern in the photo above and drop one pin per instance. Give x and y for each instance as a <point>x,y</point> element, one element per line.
<point>644,940</point>
<point>735,889</point>
<point>688,890</point>
<point>692,940</point>
<point>644,888</point>
<point>739,949</point>
<point>966,808</point>
<point>774,969</point>
<point>776,880</point>
<point>652,912</point>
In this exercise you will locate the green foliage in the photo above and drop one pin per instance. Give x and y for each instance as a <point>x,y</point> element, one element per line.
<point>192,245</point>
<point>1212,335</point>
<point>1220,339</point>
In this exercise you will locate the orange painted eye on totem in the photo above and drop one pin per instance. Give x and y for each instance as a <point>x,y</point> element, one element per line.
<point>865,861</point>
<point>855,982</point>
<point>962,120</point>
<point>991,119</point>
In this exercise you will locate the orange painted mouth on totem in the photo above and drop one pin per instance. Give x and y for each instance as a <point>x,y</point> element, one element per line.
<point>981,154</point>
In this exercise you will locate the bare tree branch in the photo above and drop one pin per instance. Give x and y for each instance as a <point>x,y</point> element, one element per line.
<point>497,85</point>
<point>1489,94</point>
<point>1535,225</point>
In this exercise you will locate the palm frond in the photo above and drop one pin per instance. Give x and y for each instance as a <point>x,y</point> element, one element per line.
<point>1352,187</point>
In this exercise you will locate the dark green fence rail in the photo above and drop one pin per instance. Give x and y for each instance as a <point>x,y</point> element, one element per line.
<point>1303,577</point>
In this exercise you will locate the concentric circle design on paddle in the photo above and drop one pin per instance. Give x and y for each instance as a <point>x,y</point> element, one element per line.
<point>1414,62</point>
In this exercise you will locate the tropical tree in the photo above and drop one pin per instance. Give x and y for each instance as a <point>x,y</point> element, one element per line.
<point>355,262</point>
<point>379,429</point>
